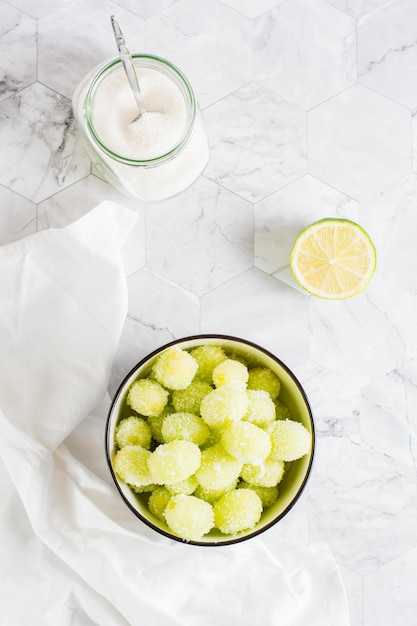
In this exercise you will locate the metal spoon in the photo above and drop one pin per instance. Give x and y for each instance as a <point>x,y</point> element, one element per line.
<point>129,67</point>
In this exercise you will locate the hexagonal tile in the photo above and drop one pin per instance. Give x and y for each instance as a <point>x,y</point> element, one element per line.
<point>387,53</point>
<point>363,337</point>
<point>17,216</point>
<point>391,218</point>
<point>359,142</point>
<point>37,8</point>
<point>153,301</point>
<point>252,9</point>
<point>283,215</point>
<point>414,139</point>
<point>209,241</point>
<point>37,129</point>
<point>146,8</point>
<point>260,308</point>
<point>357,8</point>
<point>388,412</point>
<point>58,49</point>
<point>408,371</point>
<point>17,50</point>
<point>257,142</point>
<point>359,493</point>
<point>334,401</point>
<point>73,202</point>
<point>390,596</point>
<point>305,51</point>
<point>208,41</point>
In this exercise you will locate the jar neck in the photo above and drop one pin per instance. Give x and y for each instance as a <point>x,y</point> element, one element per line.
<point>163,67</point>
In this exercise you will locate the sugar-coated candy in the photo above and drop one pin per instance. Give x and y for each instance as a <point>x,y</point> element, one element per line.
<point>174,461</point>
<point>230,371</point>
<point>268,474</point>
<point>187,486</point>
<point>185,426</point>
<point>189,517</point>
<point>147,397</point>
<point>188,400</point>
<point>144,488</point>
<point>155,423</point>
<point>237,510</point>
<point>175,368</point>
<point>290,440</point>
<point>131,465</point>
<point>212,495</point>
<point>207,357</point>
<point>158,500</point>
<point>261,409</point>
<point>218,468</point>
<point>264,378</point>
<point>224,405</point>
<point>237,357</point>
<point>246,442</point>
<point>268,495</point>
<point>133,431</point>
<point>213,438</point>
<point>282,412</point>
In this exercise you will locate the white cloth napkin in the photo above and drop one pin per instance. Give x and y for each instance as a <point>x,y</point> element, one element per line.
<point>72,552</point>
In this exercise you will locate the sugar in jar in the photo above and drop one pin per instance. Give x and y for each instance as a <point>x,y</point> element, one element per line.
<point>153,157</point>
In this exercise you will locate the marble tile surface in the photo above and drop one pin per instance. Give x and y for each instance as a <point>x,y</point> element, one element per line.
<point>258,142</point>
<point>311,112</point>
<point>38,134</point>
<point>387,51</point>
<point>68,47</point>
<point>313,36</point>
<point>359,142</point>
<point>209,41</point>
<point>18,51</point>
<point>208,243</point>
<point>17,216</point>
<point>357,8</point>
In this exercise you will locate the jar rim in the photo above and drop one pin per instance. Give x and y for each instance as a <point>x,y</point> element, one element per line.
<point>150,61</point>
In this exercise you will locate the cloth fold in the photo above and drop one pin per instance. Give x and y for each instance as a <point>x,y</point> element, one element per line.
<point>64,302</point>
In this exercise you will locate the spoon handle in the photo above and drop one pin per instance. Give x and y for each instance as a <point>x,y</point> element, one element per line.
<point>128,66</point>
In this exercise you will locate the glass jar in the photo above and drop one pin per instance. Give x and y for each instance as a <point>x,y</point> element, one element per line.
<point>161,154</point>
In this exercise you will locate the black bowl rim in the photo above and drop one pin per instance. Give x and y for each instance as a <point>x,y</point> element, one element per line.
<point>232,540</point>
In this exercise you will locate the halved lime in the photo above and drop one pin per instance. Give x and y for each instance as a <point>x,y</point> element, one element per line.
<point>333,258</point>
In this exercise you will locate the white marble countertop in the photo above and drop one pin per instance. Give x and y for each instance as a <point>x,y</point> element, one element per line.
<point>310,110</point>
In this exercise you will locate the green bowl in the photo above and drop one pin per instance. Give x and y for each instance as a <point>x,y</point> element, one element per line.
<point>291,394</point>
